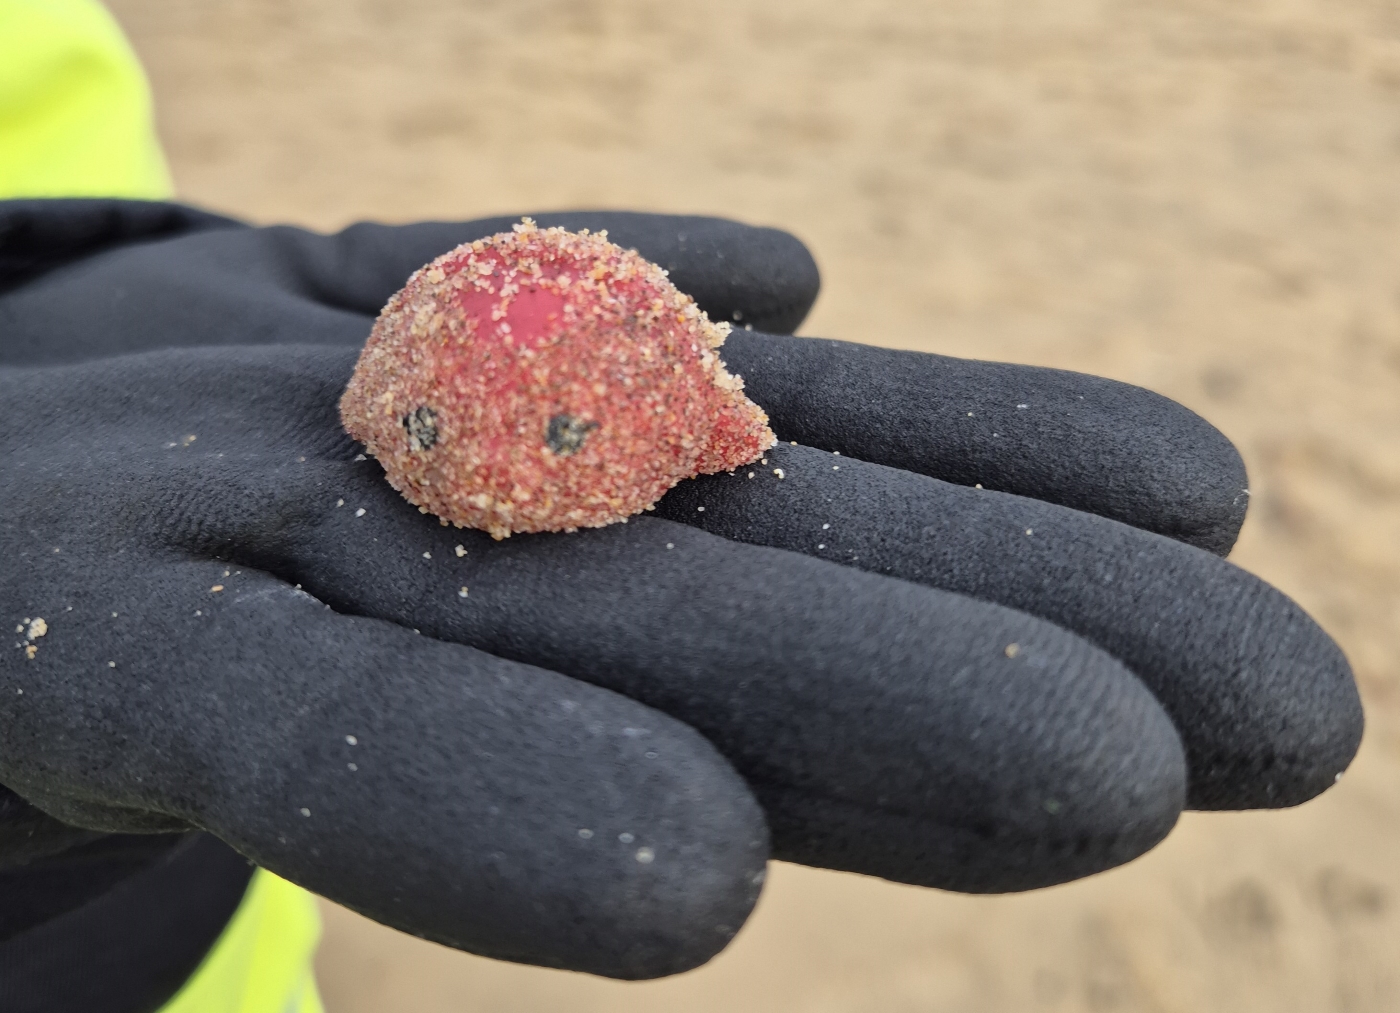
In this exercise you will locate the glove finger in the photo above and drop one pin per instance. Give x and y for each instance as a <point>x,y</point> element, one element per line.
<point>888,728</point>
<point>479,802</point>
<point>282,285</point>
<point>762,277</point>
<point>1081,441</point>
<point>1264,700</point>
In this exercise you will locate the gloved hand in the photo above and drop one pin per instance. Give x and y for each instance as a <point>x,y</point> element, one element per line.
<point>575,750</point>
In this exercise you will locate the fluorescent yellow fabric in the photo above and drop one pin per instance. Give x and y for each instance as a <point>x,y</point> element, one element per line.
<point>262,962</point>
<point>75,121</point>
<point>75,109</point>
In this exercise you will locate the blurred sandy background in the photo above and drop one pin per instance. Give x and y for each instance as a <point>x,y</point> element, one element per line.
<point>1196,196</point>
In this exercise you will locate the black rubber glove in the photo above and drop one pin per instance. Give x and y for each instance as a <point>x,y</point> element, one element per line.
<point>524,777</point>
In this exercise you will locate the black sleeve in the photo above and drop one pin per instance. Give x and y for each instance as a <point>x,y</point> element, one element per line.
<point>117,926</point>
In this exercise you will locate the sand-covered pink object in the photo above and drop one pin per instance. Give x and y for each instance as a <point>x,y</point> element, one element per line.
<point>545,380</point>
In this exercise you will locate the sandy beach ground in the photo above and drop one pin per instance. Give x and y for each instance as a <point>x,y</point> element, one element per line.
<point>1199,197</point>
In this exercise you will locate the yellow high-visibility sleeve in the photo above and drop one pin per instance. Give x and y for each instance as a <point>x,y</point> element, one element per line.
<point>75,108</point>
<point>262,961</point>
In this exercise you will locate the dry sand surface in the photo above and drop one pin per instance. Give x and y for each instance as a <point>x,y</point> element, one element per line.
<point>1200,197</point>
